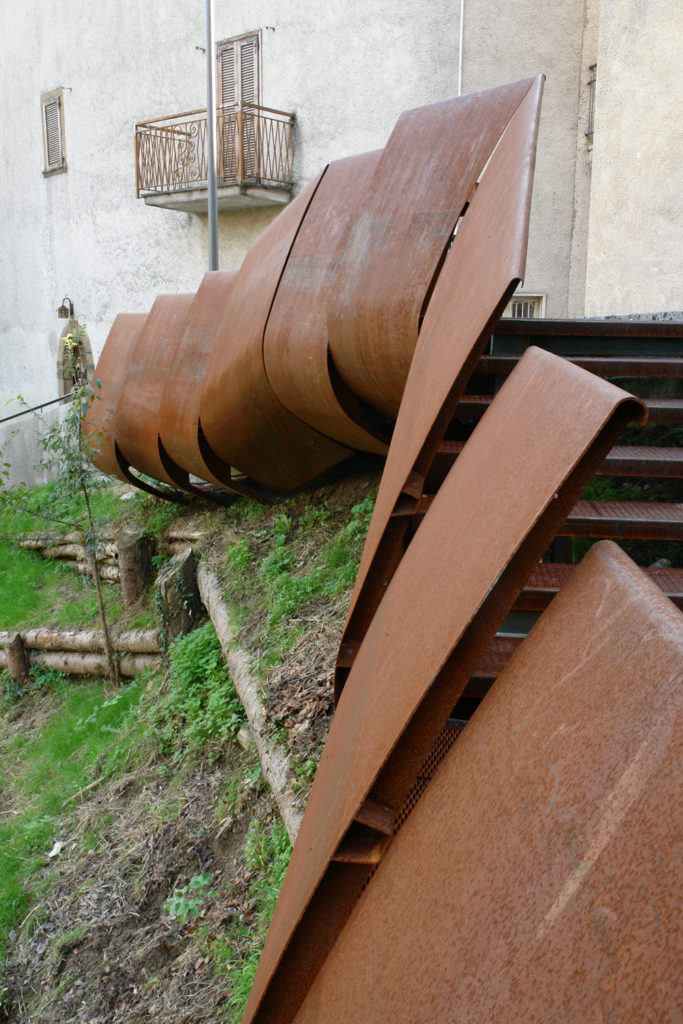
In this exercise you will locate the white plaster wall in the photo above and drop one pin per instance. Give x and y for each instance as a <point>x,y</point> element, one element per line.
<point>512,40</point>
<point>635,244</point>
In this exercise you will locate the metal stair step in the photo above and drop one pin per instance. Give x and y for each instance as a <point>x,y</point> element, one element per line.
<point>602,366</point>
<point>548,577</point>
<point>622,460</point>
<point>661,410</point>
<point>628,519</point>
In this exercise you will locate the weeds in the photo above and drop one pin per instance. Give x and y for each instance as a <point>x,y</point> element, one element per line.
<point>190,899</point>
<point>269,579</point>
<point>201,704</point>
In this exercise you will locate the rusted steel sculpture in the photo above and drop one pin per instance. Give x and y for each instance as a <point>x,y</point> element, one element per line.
<point>242,419</point>
<point>136,422</point>
<point>421,187</point>
<point>181,442</point>
<point>538,877</point>
<point>296,349</point>
<point>111,374</point>
<point>492,519</point>
<point>482,269</point>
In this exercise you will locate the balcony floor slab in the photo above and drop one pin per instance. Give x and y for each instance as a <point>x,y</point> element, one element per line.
<point>229,197</point>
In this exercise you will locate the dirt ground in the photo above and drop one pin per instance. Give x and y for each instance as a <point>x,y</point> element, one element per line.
<point>101,950</point>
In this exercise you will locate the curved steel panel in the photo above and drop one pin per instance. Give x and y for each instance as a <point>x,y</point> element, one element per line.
<point>242,418</point>
<point>137,413</point>
<point>111,372</point>
<point>538,878</point>
<point>179,407</point>
<point>484,264</point>
<point>296,351</point>
<point>427,171</point>
<point>492,519</point>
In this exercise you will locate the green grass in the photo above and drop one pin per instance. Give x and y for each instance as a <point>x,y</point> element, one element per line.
<point>42,592</point>
<point>84,732</point>
<point>47,509</point>
<point>277,576</point>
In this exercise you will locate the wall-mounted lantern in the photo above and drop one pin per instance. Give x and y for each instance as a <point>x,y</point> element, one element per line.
<point>66,312</point>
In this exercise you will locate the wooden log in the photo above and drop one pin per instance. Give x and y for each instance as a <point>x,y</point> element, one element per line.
<point>108,573</point>
<point>178,595</point>
<point>77,664</point>
<point>73,551</point>
<point>277,769</point>
<point>136,570</point>
<point>174,547</point>
<point>91,641</point>
<point>17,661</point>
<point>183,533</point>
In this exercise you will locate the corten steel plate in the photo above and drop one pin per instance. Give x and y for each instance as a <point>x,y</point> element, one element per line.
<point>243,421</point>
<point>179,408</point>
<point>429,167</point>
<point>539,877</point>
<point>494,515</point>
<point>296,351</point>
<point>484,266</point>
<point>137,412</point>
<point>111,372</point>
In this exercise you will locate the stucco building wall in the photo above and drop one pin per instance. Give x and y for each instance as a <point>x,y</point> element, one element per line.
<point>635,244</point>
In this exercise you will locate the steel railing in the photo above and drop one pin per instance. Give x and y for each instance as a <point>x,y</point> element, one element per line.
<point>254,144</point>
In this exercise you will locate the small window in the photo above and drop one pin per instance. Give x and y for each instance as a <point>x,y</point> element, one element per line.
<point>52,110</point>
<point>526,307</point>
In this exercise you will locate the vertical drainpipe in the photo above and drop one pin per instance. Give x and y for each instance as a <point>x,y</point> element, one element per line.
<point>462,24</point>
<point>211,135</point>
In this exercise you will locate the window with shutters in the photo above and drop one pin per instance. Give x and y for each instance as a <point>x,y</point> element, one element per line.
<point>52,110</point>
<point>238,92</point>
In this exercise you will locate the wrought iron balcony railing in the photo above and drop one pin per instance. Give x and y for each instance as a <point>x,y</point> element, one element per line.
<point>255,147</point>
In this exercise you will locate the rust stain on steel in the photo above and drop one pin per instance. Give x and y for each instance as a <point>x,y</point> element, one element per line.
<point>539,877</point>
<point>244,422</point>
<point>137,413</point>
<point>484,266</point>
<point>296,350</point>
<point>179,408</point>
<point>423,181</point>
<point>111,371</point>
<point>496,512</point>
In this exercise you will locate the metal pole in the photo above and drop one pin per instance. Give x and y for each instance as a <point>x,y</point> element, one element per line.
<point>211,135</point>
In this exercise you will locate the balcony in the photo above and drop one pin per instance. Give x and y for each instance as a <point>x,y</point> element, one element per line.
<point>255,150</point>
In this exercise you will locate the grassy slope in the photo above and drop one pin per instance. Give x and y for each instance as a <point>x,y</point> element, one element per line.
<point>284,568</point>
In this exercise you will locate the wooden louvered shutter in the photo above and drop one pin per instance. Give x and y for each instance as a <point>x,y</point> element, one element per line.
<point>238,77</point>
<point>238,83</point>
<point>249,70</point>
<point>53,131</point>
<point>227,92</point>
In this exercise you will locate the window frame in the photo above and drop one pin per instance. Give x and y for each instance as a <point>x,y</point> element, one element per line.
<point>537,300</point>
<point>47,99</point>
